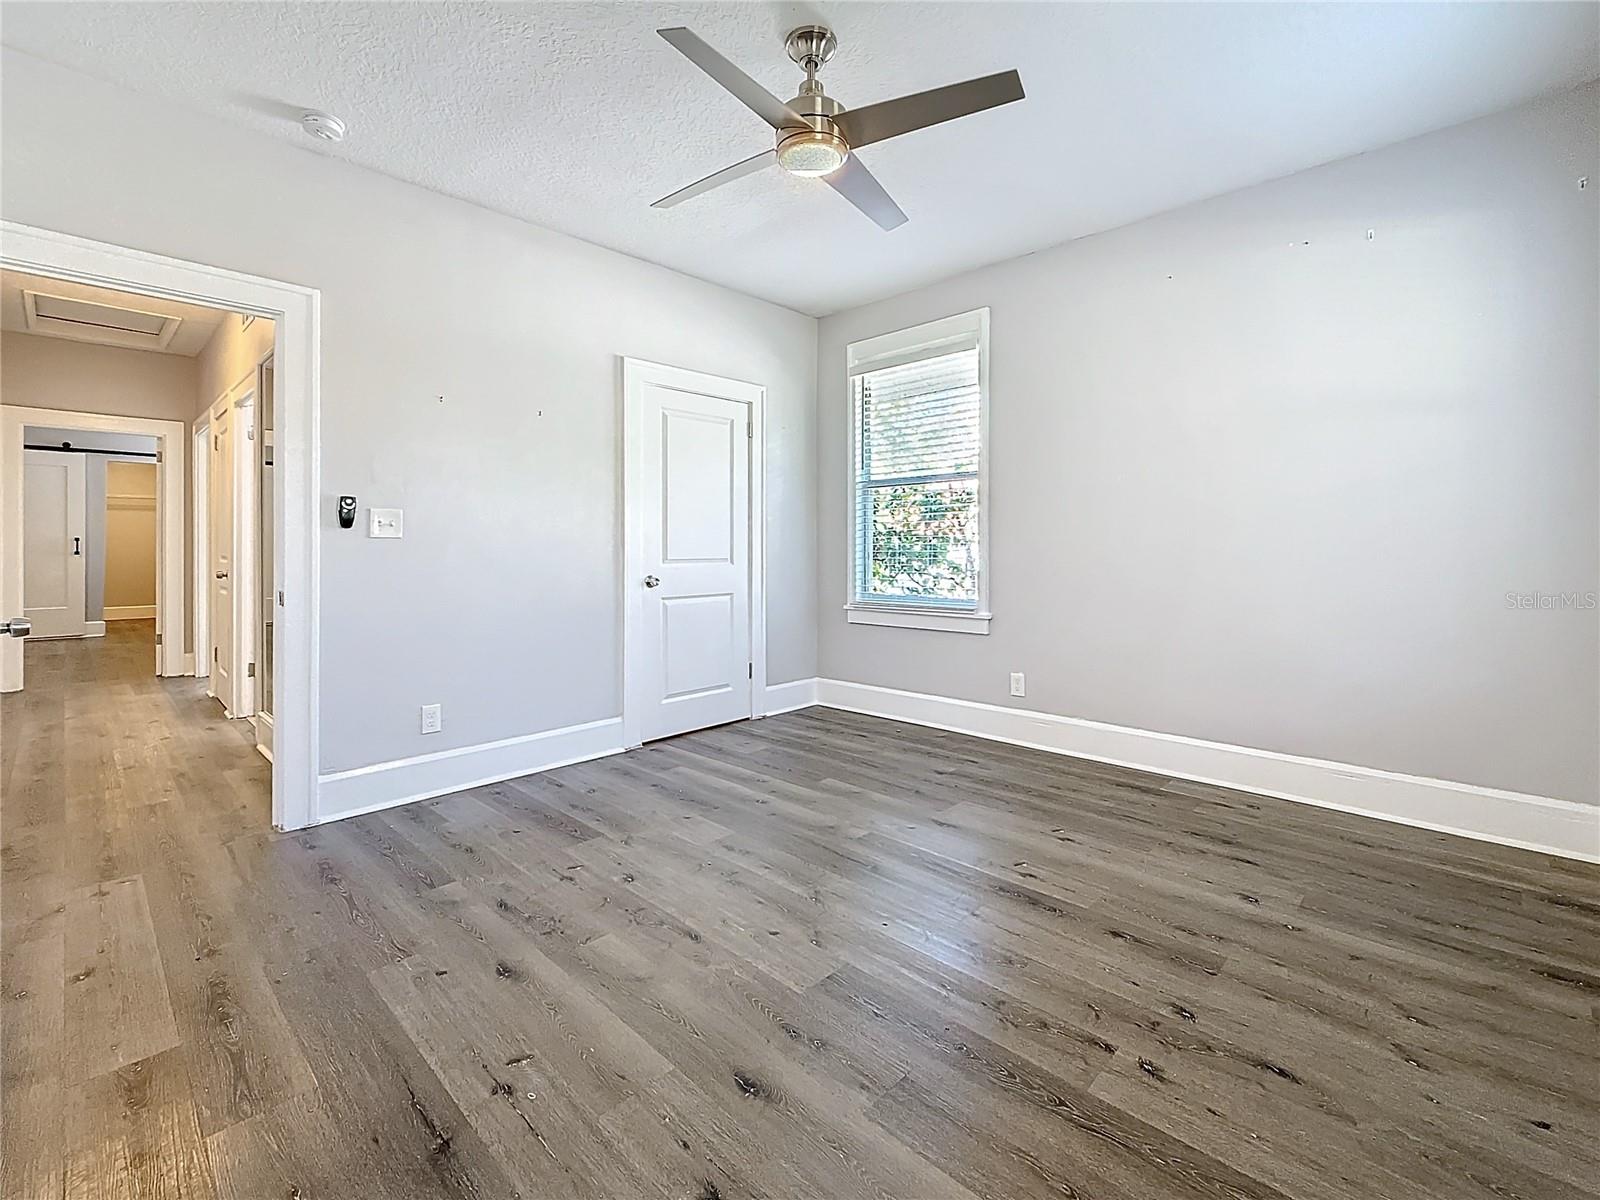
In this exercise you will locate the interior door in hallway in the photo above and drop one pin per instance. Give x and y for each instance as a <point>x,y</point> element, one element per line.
<point>690,660</point>
<point>220,483</point>
<point>52,542</point>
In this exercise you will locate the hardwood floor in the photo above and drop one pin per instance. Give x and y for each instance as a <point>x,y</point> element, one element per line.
<point>818,956</point>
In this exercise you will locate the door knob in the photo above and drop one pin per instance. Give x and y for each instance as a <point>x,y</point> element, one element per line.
<point>222,574</point>
<point>17,627</point>
<point>651,581</point>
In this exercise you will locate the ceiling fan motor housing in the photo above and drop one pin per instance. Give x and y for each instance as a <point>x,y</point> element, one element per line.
<point>816,147</point>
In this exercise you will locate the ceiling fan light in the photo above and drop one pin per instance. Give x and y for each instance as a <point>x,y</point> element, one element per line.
<point>812,153</point>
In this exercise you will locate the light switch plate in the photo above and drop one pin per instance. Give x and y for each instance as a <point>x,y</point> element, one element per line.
<point>385,522</point>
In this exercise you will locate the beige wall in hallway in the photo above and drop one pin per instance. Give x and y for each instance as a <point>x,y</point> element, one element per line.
<point>130,536</point>
<point>232,353</point>
<point>46,372</point>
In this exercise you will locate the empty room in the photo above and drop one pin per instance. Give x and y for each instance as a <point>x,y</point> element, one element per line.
<point>913,601</point>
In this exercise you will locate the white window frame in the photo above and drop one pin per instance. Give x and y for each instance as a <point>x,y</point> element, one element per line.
<point>908,345</point>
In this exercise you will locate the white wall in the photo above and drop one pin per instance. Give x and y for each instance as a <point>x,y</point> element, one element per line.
<point>1259,480</point>
<point>470,376</point>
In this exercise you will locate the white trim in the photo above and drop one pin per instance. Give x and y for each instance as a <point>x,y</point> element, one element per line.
<point>786,697</point>
<point>1560,827</point>
<point>171,593</point>
<point>297,479</point>
<point>636,372</point>
<point>962,331</point>
<point>404,780</point>
<point>200,515</point>
<point>94,629</point>
<point>127,339</point>
<point>947,335</point>
<point>136,612</point>
<point>188,662</point>
<point>243,399</point>
<point>917,618</point>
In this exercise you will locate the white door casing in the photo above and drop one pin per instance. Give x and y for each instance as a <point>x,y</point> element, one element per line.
<point>243,572</point>
<point>294,310</point>
<point>52,542</point>
<point>694,643</point>
<point>221,538</point>
<point>200,489</point>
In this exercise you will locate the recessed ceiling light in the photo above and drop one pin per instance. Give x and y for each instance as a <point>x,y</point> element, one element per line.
<point>323,126</point>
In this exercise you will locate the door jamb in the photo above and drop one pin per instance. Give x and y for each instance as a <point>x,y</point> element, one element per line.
<point>637,372</point>
<point>172,439</point>
<point>295,311</point>
<point>200,518</point>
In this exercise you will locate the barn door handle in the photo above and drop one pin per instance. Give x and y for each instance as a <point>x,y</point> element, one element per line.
<point>77,545</point>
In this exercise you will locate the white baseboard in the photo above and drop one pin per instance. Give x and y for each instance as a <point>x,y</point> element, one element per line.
<point>786,697</point>
<point>130,612</point>
<point>387,784</point>
<point>94,629</point>
<point>1560,827</point>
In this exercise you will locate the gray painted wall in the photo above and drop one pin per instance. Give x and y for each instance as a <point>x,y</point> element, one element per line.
<point>1260,480</point>
<point>470,376</point>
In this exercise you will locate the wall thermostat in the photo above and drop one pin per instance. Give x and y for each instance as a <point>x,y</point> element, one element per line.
<point>347,512</point>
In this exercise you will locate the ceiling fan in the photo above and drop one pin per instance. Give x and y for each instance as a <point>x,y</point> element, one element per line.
<point>816,135</point>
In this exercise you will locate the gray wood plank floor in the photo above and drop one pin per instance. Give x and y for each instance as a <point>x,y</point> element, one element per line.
<point>820,955</point>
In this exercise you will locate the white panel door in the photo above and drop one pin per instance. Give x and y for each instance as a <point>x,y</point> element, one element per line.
<point>52,542</point>
<point>221,484</point>
<point>693,663</point>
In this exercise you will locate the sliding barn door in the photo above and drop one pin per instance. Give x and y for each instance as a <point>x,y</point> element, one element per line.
<point>53,511</point>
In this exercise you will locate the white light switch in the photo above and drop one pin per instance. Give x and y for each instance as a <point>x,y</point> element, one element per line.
<point>385,522</point>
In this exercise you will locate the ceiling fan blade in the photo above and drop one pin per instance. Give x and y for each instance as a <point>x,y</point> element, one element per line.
<point>717,178</point>
<point>859,186</point>
<point>878,122</point>
<point>755,97</point>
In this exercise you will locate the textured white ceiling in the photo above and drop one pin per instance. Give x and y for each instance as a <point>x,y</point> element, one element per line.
<point>191,337</point>
<point>577,116</point>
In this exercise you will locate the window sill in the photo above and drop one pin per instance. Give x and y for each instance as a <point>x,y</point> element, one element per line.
<point>917,618</point>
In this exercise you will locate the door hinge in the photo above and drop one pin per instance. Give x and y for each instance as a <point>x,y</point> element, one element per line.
<point>750,430</point>
<point>250,671</point>
<point>216,441</point>
<point>158,639</point>
<point>752,671</point>
<point>213,654</point>
<point>280,599</point>
<point>160,457</point>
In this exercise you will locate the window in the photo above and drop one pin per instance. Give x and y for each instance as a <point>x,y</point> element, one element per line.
<point>919,412</point>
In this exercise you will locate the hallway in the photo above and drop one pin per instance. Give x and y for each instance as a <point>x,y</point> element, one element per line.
<point>120,790</point>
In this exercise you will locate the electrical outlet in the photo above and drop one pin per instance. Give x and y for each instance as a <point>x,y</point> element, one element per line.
<point>432,718</point>
<point>1019,684</point>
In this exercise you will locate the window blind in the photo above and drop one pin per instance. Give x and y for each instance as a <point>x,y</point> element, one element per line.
<point>919,438</point>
